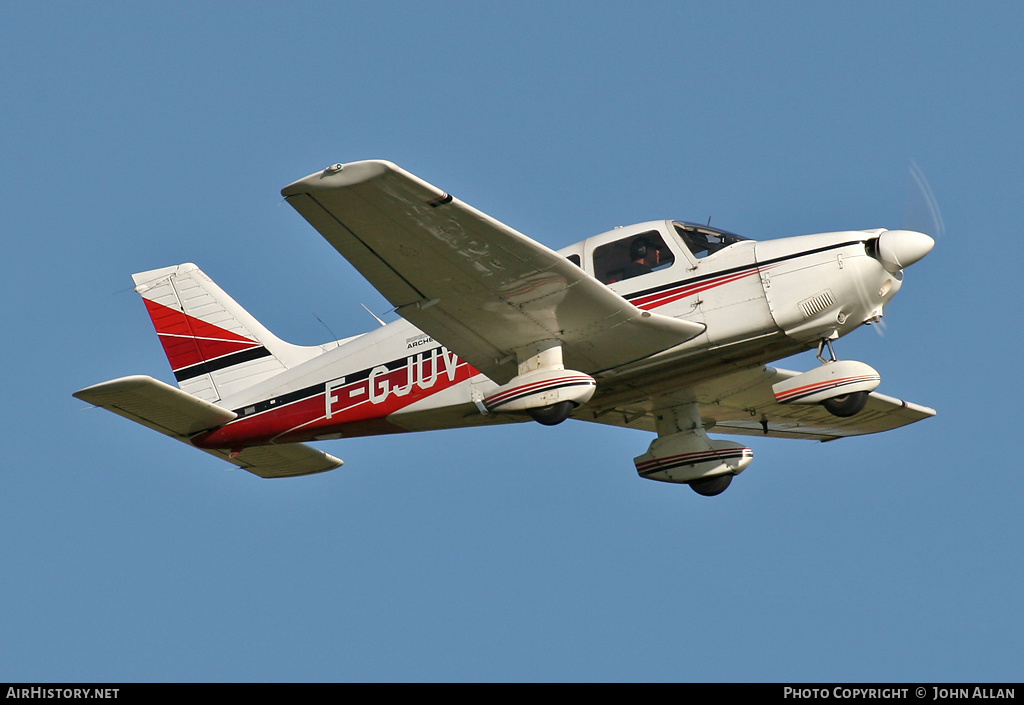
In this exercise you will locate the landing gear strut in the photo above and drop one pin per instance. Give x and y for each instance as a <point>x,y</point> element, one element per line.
<point>826,343</point>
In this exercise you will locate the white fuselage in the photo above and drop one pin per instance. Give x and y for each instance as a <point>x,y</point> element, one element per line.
<point>758,301</point>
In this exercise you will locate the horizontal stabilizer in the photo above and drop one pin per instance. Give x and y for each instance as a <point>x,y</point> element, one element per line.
<point>285,460</point>
<point>157,405</point>
<point>180,415</point>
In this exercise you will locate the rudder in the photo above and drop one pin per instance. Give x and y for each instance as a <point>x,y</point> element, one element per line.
<point>215,347</point>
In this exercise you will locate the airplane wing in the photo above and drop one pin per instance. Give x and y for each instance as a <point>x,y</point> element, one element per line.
<point>472,283</point>
<point>180,415</point>
<point>743,404</point>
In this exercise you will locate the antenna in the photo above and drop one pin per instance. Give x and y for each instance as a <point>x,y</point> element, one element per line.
<point>375,317</point>
<point>333,336</point>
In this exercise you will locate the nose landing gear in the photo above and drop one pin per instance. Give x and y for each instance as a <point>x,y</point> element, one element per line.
<point>711,486</point>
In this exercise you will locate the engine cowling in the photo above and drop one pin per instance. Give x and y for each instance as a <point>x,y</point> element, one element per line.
<point>540,389</point>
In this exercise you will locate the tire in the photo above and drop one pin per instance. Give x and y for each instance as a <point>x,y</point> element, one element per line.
<point>710,486</point>
<point>552,414</point>
<point>846,405</point>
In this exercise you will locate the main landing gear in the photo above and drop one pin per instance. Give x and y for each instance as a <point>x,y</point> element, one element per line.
<point>840,386</point>
<point>844,405</point>
<point>552,414</point>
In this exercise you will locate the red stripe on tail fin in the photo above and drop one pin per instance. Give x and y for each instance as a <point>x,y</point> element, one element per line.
<point>216,348</point>
<point>188,340</point>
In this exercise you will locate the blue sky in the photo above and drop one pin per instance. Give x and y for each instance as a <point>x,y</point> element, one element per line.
<point>135,136</point>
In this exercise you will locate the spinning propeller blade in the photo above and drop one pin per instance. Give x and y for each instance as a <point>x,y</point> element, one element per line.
<point>921,212</point>
<point>922,224</point>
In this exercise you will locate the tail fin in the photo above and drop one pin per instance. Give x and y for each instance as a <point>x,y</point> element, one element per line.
<point>215,346</point>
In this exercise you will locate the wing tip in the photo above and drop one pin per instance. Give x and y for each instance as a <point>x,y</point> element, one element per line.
<point>340,175</point>
<point>93,391</point>
<point>289,460</point>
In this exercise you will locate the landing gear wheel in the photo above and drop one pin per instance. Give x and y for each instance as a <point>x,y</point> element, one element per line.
<point>552,414</point>
<point>846,405</point>
<point>710,486</point>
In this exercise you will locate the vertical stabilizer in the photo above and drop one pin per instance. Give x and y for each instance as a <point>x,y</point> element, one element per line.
<point>215,346</point>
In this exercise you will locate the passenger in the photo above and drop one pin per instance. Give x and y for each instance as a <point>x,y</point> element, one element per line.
<point>639,252</point>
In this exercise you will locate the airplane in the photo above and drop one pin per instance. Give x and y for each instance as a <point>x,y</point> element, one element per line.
<point>665,326</point>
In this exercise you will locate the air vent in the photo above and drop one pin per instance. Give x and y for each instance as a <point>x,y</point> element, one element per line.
<point>816,304</point>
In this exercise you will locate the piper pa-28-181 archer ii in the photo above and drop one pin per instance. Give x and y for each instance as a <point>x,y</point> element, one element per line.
<point>664,326</point>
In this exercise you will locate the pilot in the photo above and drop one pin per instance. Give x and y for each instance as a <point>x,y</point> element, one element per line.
<point>639,251</point>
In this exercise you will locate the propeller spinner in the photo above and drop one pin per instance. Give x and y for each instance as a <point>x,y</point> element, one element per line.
<point>898,249</point>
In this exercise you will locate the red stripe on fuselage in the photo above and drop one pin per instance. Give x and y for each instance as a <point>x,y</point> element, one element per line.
<point>361,407</point>
<point>661,298</point>
<point>352,409</point>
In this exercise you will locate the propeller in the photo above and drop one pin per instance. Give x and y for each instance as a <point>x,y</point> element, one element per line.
<point>921,212</point>
<point>922,225</point>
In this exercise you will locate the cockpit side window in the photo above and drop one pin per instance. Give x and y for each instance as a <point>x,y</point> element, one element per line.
<point>704,241</point>
<point>631,257</point>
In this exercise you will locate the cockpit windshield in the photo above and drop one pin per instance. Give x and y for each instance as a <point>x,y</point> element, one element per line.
<point>703,240</point>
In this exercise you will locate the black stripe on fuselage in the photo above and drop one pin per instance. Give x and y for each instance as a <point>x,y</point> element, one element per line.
<point>736,270</point>
<point>202,368</point>
<point>314,390</point>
